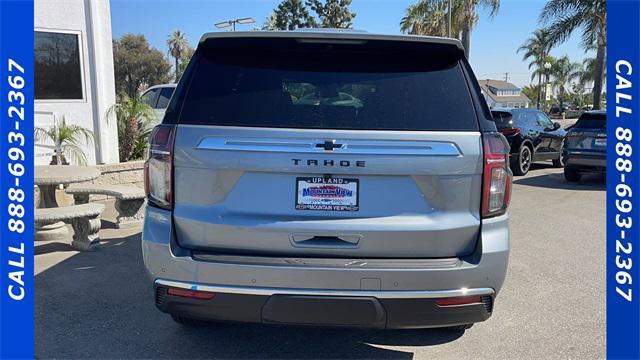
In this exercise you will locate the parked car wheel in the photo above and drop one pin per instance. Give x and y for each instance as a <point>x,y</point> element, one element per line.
<point>570,174</point>
<point>521,164</point>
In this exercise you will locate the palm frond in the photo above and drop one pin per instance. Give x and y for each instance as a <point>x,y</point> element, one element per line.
<point>41,134</point>
<point>73,151</point>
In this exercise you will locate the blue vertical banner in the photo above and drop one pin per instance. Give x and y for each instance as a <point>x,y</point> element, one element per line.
<point>623,180</point>
<point>16,179</point>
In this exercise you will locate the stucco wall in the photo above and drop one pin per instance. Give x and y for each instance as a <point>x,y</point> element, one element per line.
<point>91,19</point>
<point>129,173</point>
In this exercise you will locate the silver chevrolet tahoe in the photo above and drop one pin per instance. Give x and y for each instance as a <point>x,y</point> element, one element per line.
<point>327,178</point>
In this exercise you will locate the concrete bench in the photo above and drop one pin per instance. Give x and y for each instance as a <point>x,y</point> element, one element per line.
<point>129,200</point>
<point>83,218</point>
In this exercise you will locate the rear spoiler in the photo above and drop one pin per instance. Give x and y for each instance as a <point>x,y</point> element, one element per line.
<point>329,36</point>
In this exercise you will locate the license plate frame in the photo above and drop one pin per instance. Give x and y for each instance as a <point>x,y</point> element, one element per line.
<point>327,193</point>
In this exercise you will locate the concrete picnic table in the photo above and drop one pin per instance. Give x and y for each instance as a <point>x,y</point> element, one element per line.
<point>48,177</point>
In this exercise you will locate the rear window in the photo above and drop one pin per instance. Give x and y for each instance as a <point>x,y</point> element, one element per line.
<point>503,119</point>
<point>592,121</point>
<point>325,86</point>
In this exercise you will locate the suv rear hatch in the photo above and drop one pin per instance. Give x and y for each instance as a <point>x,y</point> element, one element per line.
<point>589,134</point>
<point>326,148</point>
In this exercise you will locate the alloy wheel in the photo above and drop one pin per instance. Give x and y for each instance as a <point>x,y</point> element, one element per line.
<point>525,159</point>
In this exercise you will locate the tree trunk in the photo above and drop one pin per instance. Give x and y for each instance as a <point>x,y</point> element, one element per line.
<point>466,36</point>
<point>599,74</point>
<point>539,90</point>
<point>177,69</point>
<point>130,137</point>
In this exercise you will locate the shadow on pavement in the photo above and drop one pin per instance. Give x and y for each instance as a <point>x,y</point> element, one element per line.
<point>52,247</point>
<point>100,305</point>
<point>557,180</point>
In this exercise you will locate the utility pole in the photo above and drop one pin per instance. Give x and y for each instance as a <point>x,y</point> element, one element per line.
<point>506,76</point>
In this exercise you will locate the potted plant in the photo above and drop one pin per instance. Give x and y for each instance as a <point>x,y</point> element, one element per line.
<point>66,140</point>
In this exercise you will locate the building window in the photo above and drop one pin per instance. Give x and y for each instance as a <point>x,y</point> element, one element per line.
<point>58,73</point>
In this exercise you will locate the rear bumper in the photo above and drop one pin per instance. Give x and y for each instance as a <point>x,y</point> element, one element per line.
<point>399,310</point>
<point>353,294</point>
<point>586,160</point>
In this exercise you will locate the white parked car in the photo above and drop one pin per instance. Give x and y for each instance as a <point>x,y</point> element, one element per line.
<point>158,97</point>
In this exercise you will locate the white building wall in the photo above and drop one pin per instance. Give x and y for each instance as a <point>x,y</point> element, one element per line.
<point>91,19</point>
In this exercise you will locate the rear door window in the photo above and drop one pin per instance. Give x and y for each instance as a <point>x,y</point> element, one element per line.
<point>149,97</point>
<point>332,87</point>
<point>164,97</point>
<point>525,118</point>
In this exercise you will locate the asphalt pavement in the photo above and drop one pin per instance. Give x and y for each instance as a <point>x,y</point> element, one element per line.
<point>100,304</point>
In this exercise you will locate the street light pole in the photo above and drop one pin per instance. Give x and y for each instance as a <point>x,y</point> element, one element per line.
<point>449,22</point>
<point>547,67</point>
<point>232,23</point>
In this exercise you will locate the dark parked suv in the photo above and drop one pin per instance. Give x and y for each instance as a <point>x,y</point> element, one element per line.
<point>327,178</point>
<point>585,149</point>
<point>532,137</point>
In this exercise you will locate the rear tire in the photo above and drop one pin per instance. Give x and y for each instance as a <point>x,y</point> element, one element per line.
<point>521,164</point>
<point>571,175</point>
<point>185,321</point>
<point>458,327</point>
<point>559,162</point>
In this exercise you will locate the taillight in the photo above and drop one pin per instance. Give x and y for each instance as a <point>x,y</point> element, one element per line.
<point>158,169</point>
<point>496,182</point>
<point>510,131</point>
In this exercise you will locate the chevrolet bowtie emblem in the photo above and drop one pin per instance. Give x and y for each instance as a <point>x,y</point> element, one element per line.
<point>329,145</point>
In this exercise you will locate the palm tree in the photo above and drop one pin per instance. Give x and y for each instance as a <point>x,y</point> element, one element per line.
<point>531,91</point>
<point>430,17</point>
<point>178,45</point>
<point>563,17</point>
<point>589,70</point>
<point>536,49</point>
<point>270,22</point>
<point>564,71</point>
<point>470,15</point>
<point>66,140</point>
<point>133,117</point>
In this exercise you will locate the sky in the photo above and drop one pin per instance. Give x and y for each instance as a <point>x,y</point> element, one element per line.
<point>494,41</point>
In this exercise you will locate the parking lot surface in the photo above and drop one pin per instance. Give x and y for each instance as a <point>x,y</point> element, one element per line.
<point>100,304</point>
